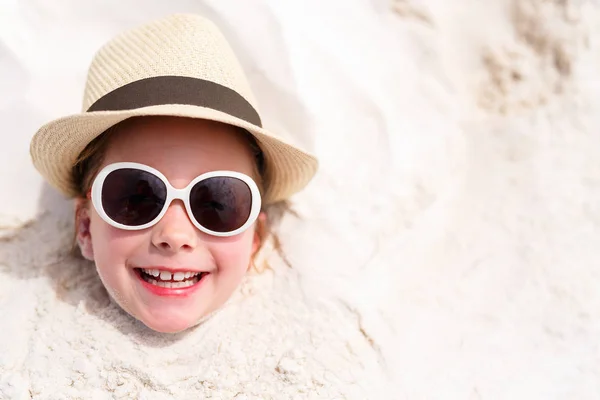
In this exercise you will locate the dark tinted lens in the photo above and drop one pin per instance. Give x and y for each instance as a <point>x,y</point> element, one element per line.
<point>133,197</point>
<point>221,204</point>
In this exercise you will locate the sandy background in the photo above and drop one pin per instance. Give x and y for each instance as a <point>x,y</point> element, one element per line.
<point>448,248</point>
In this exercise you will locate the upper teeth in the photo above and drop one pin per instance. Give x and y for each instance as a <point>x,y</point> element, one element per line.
<point>167,276</point>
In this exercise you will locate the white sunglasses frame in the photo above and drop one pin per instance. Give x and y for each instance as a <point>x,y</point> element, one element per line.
<point>173,194</point>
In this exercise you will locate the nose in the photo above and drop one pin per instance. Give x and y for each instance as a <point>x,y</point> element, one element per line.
<point>175,232</point>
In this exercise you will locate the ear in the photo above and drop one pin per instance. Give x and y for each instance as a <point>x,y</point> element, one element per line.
<point>82,228</point>
<point>259,231</point>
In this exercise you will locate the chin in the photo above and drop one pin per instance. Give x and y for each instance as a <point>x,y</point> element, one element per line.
<point>168,325</point>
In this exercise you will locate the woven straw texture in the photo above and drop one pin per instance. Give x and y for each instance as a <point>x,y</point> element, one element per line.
<point>178,45</point>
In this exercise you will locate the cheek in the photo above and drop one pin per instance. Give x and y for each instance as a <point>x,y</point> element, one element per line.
<point>112,247</point>
<point>232,256</point>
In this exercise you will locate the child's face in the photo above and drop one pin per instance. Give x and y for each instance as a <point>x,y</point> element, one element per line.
<point>181,149</point>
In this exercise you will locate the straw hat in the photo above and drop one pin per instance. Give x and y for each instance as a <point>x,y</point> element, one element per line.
<point>179,66</point>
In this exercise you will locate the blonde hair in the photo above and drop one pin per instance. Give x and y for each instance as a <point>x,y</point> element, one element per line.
<point>90,159</point>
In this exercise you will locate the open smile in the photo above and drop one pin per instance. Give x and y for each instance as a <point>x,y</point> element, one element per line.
<point>167,283</point>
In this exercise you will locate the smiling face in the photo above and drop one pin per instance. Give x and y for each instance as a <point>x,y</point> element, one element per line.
<point>181,149</point>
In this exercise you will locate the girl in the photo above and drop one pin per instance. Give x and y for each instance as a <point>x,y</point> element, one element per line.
<point>172,172</point>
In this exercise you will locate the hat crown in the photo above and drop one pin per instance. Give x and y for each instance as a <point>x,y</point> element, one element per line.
<point>178,45</point>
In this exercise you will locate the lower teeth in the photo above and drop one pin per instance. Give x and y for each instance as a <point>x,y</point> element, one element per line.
<point>174,285</point>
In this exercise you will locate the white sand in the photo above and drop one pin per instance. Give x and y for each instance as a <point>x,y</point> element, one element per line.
<point>448,247</point>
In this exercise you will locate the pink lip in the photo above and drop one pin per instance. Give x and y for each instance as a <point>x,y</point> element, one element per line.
<point>171,292</point>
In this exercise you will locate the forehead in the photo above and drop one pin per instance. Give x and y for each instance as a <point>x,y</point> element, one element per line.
<point>180,148</point>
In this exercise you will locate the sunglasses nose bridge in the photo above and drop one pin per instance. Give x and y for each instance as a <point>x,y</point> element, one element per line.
<point>180,194</point>
<point>177,194</point>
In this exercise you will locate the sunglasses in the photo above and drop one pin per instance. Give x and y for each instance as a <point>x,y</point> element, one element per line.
<point>134,196</point>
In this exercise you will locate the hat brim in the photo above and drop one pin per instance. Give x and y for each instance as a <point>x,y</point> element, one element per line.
<point>57,145</point>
